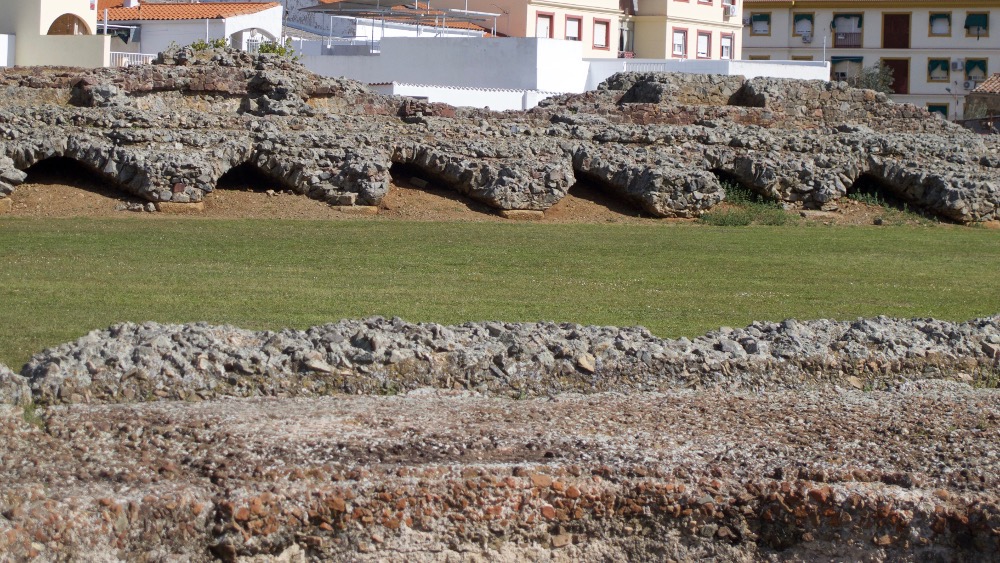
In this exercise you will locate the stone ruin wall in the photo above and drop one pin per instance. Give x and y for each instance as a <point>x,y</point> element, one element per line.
<point>167,132</point>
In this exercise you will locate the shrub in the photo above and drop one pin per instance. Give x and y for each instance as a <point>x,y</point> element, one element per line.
<point>275,48</point>
<point>202,45</point>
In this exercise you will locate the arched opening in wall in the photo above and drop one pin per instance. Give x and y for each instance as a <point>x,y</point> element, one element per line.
<point>744,205</point>
<point>739,193</point>
<point>869,195</point>
<point>60,186</point>
<point>415,194</point>
<point>247,177</point>
<point>587,201</point>
<point>69,24</point>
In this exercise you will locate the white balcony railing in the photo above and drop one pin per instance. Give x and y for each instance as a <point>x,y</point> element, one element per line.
<point>131,59</point>
<point>645,67</point>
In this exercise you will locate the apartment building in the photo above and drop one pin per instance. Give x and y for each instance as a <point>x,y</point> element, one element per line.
<point>938,50</point>
<point>660,29</point>
<point>688,29</point>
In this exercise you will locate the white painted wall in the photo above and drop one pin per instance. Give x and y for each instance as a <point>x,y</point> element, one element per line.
<point>494,99</point>
<point>601,69</point>
<point>7,43</point>
<point>507,63</point>
<point>87,51</point>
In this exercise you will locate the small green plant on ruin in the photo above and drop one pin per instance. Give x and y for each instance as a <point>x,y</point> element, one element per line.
<point>31,416</point>
<point>748,208</point>
<point>213,44</point>
<point>893,212</point>
<point>280,49</point>
<point>986,377</point>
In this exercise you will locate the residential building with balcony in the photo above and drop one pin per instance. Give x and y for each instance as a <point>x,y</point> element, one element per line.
<point>938,50</point>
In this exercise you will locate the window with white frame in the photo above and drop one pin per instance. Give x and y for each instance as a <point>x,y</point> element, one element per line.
<point>940,24</point>
<point>601,34</point>
<point>726,47</point>
<point>680,43</point>
<point>543,25</point>
<point>760,24</point>
<point>704,49</point>
<point>573,26</point>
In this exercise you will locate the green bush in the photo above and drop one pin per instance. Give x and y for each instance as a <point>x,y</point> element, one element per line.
<point>275,48</point>
<point>202,45</point>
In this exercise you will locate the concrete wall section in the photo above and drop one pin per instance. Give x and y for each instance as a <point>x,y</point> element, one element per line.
<point>156,36</point>
<point>7,50</point>
<point>88,51</point>
<point>508,63</point>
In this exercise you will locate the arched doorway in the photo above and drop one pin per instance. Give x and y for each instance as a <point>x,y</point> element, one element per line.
<point>69,24</point>
<point>250,40</point>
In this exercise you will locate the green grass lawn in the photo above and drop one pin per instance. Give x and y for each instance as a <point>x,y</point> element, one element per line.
<point>61,278</point>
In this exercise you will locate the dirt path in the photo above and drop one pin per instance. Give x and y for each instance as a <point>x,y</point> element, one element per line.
<point>57,192</point>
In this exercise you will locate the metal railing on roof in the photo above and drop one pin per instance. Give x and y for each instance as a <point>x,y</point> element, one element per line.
<point>119,59</point>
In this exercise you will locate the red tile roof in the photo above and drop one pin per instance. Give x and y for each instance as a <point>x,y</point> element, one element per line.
<point>990,86</point>
<point>206,11</point>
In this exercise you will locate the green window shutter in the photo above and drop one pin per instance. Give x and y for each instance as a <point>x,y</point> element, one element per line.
<point>937,64</point>
<point>835,60</point>
<point>977,20</point>
<point>971,65</point>
<point>936,17</point>
<point>761,18</point>
<point>802,17</point>
<point>938,108</point>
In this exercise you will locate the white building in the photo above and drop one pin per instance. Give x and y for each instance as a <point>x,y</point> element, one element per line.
<point>514,72</point>
<point>938,50</point>
<point>146,27</point>
<point>51,32</point>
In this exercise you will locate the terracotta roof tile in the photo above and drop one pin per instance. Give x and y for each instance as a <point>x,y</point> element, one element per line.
<point>990,86</point>
<point>206,11</point>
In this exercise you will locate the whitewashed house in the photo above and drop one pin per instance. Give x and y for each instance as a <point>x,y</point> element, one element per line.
<point>51,32</point>
<point>149,28</point>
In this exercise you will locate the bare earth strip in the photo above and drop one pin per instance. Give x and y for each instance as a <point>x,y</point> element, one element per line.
<point>52,194</point>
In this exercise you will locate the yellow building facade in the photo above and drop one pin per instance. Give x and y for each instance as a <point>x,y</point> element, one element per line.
<point>938,50</point>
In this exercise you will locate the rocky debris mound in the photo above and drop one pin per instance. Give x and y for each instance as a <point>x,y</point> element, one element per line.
<point>168,132</point>
<point>142,362</point>
<point>14,389</point>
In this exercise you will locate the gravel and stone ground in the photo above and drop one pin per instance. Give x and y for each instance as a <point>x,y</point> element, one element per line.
<point>432,475</point>
<point>871,440</point>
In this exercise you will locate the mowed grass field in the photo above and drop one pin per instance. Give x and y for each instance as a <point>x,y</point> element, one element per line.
<point>60,278</point>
